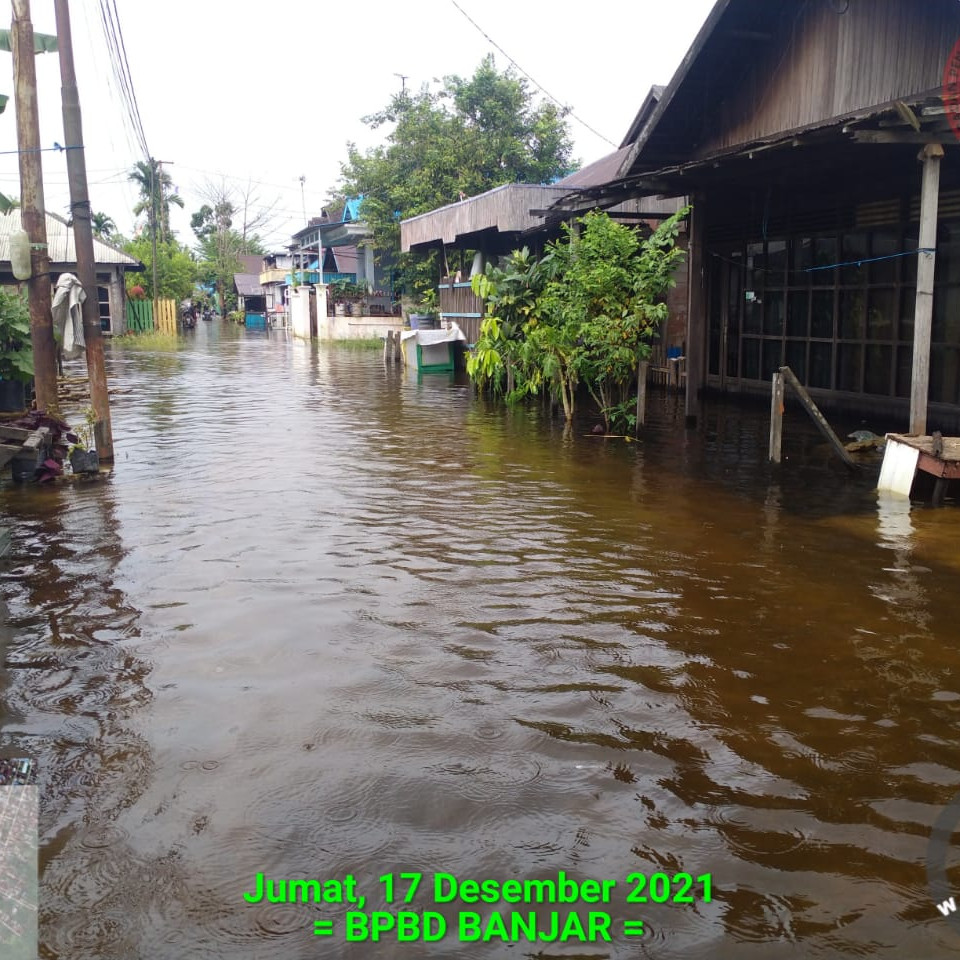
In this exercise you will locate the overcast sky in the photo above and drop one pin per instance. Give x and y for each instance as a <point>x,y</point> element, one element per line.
<point>267,93</point>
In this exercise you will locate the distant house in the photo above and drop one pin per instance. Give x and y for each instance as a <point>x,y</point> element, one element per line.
<point>250,293</point>
<point>111,263</point>
<point>343,238</point>
<point>274,280</point>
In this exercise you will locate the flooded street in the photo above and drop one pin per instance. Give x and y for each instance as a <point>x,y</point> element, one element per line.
<point>323,621</point>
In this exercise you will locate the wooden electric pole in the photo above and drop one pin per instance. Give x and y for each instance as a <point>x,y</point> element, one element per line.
<point>83,234</point>
<point>31,207</point>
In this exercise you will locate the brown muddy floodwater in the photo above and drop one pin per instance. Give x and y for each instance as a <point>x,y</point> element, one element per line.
<point>324,621</point>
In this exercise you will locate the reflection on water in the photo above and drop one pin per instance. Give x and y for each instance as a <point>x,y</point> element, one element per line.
<point>324,619</point>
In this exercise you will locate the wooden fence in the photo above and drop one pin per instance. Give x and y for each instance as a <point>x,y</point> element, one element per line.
<point>458,302</point>
<point>165,316</point>
<point>146,315</point>
<point>139,316</point>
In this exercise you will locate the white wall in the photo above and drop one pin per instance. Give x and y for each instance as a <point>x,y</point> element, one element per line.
<point>358,328</point>
<point>300,312</point>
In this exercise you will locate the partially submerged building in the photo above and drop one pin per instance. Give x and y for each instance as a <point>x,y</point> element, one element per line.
<point>817,142</point>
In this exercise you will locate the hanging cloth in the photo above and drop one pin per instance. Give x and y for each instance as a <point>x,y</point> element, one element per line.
<point>68,315</point>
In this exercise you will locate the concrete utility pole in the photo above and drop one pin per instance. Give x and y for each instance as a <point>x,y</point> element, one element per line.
<point>83,234</point>
<point>153,221</point>
<point>31,207</point>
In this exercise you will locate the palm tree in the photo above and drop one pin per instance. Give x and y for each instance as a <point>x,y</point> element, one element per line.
<point>156,195</point>
<point>103,225</point>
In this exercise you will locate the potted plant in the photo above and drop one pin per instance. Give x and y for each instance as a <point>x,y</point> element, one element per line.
<point>83,454</point>
<point>16,351</point>
<point>345,294</point>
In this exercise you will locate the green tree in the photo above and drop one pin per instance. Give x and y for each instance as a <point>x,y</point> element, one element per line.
<point>156,194</point>
<point>511,297</point>
<point>462,139</point>
<point>16,350</point>
<point>585,314</point>
<point>103,226</point>
<point>176,269</point>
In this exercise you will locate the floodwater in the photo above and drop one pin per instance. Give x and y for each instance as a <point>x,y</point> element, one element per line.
<point>323,621</point>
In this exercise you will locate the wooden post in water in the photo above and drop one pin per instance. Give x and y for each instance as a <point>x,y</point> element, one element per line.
<point>641,395</point>
<point>931,156</point>
<point>776,418</point>
<point>388,347</point>
<point>32,213</point>
<point>818,418</point>
<point>696,312</point>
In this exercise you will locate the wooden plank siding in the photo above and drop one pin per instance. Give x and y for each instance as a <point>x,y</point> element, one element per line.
<point>459,304</point>
<point>821,65</point>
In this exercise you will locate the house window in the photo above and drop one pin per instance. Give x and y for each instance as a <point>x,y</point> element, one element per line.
<point>838,309</point>
<point>103,304</point>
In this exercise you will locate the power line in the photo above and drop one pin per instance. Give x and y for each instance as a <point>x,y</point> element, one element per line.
<point>540,87</point>
<point>116,50</point>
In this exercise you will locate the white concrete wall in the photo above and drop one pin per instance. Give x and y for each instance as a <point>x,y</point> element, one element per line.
<point>300,312</point>
<point>358,328</point>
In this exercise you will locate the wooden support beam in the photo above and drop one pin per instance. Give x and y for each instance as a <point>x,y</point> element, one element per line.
<point>612,214</point>
<point>696,312</point>
<point>818,418</point>
<point>930,156</point>
<point>939,490</point>
<point>900,136</point>
<point>776,418</point>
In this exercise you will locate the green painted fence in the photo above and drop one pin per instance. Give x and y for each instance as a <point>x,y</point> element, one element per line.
<point>139,315</point>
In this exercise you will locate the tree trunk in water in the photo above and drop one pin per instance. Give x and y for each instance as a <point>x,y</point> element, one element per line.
<point>567,399</point>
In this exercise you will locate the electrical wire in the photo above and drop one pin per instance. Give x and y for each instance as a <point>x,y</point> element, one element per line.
<point>116,51</point>
<point>830,266</point>
<point>539,86</point>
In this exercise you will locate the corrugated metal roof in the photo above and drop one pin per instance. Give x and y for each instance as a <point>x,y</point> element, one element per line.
<point>248,284</point>
<point>599,172</point>
<point>252,262</point>
<point>346,258</point>
<point>61,245</point>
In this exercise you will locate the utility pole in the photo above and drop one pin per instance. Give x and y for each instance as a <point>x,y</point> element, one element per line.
<point>83,234</point>
<point>31,207</point>
<point>153,220</point>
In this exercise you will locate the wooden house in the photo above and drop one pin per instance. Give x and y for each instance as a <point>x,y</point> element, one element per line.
<point>818,143</point>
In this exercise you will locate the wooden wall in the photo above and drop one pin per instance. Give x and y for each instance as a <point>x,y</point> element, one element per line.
<point>820,64</point>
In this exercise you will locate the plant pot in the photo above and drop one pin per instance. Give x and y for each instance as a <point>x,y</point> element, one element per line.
<point>13,395</point>
<point>84,461</point>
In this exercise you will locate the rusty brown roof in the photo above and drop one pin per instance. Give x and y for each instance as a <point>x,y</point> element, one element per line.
<point>600,171</point>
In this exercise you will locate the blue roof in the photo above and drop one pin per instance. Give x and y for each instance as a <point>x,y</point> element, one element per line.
<point>351,210</point>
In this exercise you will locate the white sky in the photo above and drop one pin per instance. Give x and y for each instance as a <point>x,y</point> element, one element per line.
<point>270,92</point>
